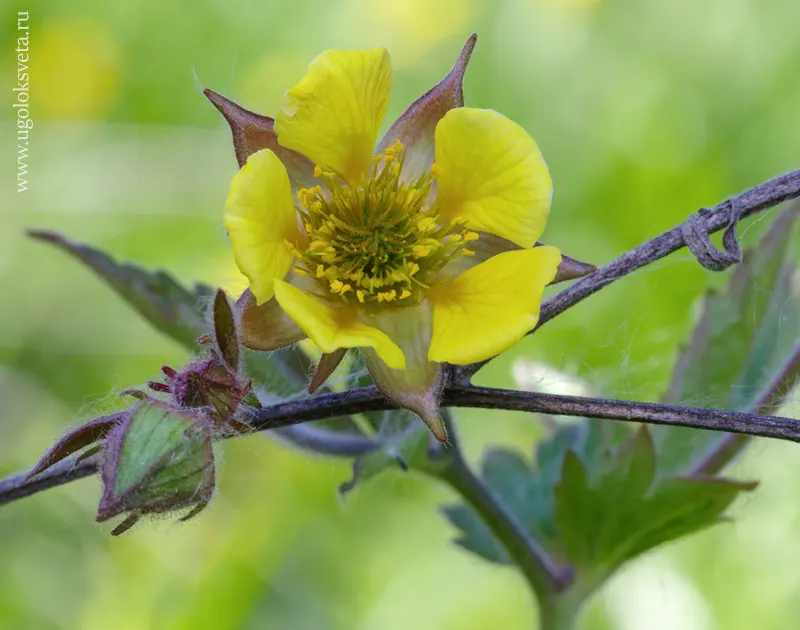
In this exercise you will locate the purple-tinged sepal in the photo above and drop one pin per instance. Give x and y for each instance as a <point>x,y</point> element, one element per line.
<point>488,245</point>
<point>419,386</point>
<point>326,366</point>
<point>224,332</point>
<point>252,132</point>
<point>415,128</point>
<point>265,327</point>
<point>76,440</point>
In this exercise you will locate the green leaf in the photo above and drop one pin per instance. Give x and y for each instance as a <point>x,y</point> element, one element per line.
<point>592,500</point>
<point>403,445</point>
<point>169,307</point>
<point>474,535</point>
<point>745,350</point>
<point>179,313</point>
<point>621,512</point>
<point>526,491</point>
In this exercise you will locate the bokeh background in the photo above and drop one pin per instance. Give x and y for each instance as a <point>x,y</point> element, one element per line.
<point>645,110</point>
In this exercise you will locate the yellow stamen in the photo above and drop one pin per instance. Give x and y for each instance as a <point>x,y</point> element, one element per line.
<point>293,250</point>
<point>379,240</point>
<point>420,251</point>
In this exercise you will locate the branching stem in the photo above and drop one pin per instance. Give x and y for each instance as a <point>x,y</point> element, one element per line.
<point>364,399</point>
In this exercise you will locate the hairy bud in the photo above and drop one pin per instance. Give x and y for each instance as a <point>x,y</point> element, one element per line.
<point>157,459</point>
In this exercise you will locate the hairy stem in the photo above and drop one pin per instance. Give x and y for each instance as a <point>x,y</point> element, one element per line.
<point>363,399</point>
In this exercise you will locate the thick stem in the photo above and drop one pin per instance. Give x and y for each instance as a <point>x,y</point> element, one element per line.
<point>556,615</point>
<point>364,399</point>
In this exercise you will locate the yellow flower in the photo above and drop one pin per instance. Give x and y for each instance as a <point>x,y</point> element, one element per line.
<point>420,252</point>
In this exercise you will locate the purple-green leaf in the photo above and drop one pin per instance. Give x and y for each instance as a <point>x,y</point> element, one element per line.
<point>744,354</point>
<point>155,295</point>
<point>76,440</point>
<point>225,331</point>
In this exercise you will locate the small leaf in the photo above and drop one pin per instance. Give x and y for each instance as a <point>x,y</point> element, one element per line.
<point>744,350</point>
<point>474,535</point>
<point>75,440</point>
<point>156,296</point>
<point>405,447</point>
<point>225,331</point>
<point>158,460</point>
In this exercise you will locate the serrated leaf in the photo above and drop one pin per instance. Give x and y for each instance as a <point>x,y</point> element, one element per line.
<point>592,500</point>
<point>745,339</point>
<point>164,303</point>
<point>623,512</point>
<point>404,448</point>
<point>474,535</point>
<point>525,490</point>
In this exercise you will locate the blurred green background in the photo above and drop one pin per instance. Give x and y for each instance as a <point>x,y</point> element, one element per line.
<point>645,110</point>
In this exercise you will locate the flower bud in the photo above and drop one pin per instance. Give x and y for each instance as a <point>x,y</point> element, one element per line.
<point>211,384</point>
<point>157,459</point>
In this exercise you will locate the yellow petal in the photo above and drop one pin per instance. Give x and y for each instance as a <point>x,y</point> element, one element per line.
<point>489,308</point>
<point>333,115</point>
<point>334,328</point>
<point>259,217</point>
<point>492,174</point>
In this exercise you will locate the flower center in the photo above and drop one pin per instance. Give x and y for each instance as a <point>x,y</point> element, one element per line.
<point>378,241</point>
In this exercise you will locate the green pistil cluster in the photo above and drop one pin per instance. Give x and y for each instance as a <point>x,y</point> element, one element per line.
<point>378,241</point>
